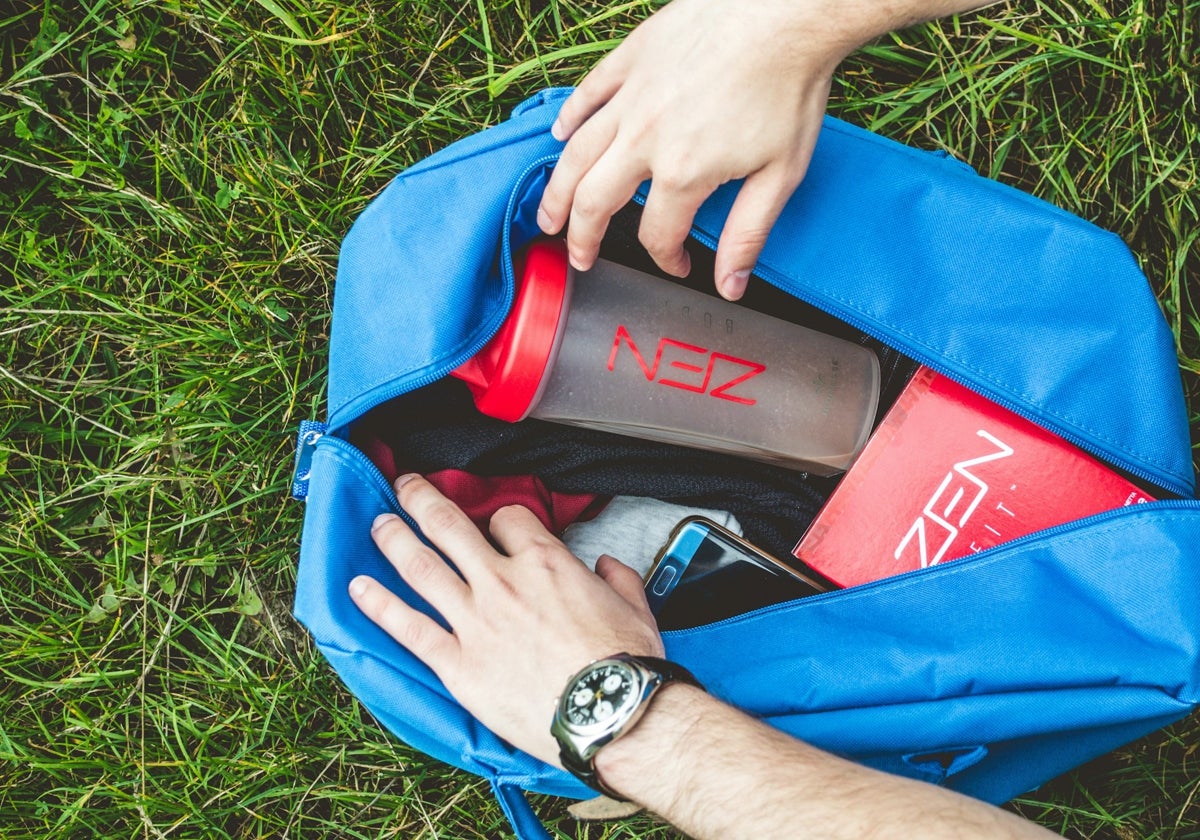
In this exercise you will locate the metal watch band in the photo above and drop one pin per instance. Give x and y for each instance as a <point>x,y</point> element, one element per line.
<point>669,672</point>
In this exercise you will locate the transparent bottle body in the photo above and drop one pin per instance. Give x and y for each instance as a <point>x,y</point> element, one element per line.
<point>646,357</point>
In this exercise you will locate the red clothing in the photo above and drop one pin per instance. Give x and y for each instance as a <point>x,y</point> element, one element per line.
<point>480,496</point>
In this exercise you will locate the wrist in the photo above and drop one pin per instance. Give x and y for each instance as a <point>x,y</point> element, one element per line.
<point>603,702</point>
<point>653,753</point>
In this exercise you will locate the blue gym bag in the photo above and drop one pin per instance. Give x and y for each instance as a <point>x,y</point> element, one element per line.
<point>990,674</point>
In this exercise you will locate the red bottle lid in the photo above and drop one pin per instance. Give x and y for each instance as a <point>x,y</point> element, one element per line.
<point>507,375</point>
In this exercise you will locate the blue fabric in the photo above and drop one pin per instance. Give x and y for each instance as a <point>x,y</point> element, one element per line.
<point>978,282</point>
<point>516,808</point>
<point>1032,306</point>
<point>989,285</point>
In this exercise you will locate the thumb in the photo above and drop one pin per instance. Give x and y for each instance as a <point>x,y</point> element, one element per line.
<point>754,212</point>
<point>624,580</point>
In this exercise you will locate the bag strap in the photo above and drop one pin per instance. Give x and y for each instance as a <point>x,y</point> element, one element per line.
<point>516,807</point>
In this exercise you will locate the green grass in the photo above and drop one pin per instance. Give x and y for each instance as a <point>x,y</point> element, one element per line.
<point>175,178</point>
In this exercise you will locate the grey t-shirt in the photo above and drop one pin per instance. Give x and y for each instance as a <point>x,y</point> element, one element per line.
<point>633,529</point>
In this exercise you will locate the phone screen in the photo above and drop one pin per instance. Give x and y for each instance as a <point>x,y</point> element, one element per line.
<point>705,574</point>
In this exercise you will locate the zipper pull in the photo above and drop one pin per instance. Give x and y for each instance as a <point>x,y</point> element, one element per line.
<point>311,431</point>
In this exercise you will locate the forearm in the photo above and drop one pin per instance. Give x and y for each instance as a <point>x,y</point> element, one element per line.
<point>717,773</point>
<point>866,19</point>
<point>835,28</point>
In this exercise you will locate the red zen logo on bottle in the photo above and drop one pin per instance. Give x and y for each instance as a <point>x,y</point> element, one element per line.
<point>678,351</point>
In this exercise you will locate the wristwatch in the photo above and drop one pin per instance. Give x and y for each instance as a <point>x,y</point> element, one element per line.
<point>603,702</point>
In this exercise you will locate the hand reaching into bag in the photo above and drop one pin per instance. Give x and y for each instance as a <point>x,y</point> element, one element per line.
<point>528,615</point>
<point>701,93</point>
<point>524,617</point>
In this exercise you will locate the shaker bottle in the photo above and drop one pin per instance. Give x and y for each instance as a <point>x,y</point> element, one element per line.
<point>622,351</point>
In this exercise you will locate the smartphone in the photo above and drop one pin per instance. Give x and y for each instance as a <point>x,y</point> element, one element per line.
<point>705,573</point>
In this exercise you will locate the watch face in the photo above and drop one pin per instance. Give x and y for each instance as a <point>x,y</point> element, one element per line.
<point>600,694</point>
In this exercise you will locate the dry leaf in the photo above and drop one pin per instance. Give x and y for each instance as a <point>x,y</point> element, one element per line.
<point>602,808</point>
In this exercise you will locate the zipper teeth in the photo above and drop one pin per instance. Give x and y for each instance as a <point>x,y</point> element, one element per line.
<point>372,472</point>
<point>506,274</point>
<point>782,282</point>
<point>1013,544</point>
<point>381,484</point>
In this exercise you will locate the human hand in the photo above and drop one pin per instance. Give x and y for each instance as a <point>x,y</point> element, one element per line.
<point>523,620</point>
<point>701,93</point>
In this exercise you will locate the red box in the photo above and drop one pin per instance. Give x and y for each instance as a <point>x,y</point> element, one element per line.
<point>949,473</point>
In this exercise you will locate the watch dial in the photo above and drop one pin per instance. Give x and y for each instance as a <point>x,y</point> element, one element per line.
<point>600,694</point>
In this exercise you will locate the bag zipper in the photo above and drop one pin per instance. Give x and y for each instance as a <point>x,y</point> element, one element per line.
<point>781,281</point>
<point>1016,544</point>
<point>380,484</point>
<point>506,273</point>
<point>313,438</point>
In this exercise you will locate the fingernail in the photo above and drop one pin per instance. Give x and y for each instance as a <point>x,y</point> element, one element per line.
<point>402,480</point>
<point>544,221</point>
<point>556,130</point>
<point>576,263</point>
<point>358,586</point>
<point>381,520</point>
<point>734,285</point>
